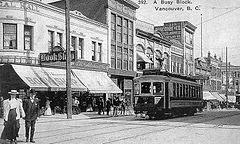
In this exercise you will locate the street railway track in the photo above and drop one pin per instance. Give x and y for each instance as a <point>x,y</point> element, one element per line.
<point>141,125</point>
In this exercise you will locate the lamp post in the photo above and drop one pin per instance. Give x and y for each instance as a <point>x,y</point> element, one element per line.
<point>68,61</point>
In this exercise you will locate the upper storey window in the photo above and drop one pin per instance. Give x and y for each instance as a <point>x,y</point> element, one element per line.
<point>9,36</point>
<point>50,40</point>
<point>28,38</point>
<point>59,39</point>
<point>189,37</point>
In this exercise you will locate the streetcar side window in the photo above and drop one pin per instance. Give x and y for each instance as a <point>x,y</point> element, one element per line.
<point>146,87</point>
<point>190,91</point>
<point>187,94</point>
<point>177,90</point>
<point>136,89</point>
<point>181,93</point>
<point>193,91</point>
<point>196,92</point>
<point>174,89</point>
<point>158,88</point>
<point>184,90</point>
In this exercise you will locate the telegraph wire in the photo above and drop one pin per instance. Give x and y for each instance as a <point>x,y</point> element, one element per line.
<point>218,16</point>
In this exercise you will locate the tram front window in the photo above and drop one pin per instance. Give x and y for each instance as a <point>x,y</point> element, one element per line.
<point>145,87</point>
<point>158,88</point>
<point>144,100</point>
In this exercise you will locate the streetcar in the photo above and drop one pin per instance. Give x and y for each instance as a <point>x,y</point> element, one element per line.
<point>160,93</point>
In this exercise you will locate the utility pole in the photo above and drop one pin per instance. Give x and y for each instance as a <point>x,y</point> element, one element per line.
<point>68,61</point>
<point>226,79</point>
<point>201,37</point>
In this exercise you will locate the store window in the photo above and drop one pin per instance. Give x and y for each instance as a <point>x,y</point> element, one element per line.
<point>93,51</point>
<point>125,59</point>
<point>80,47</point>
<point>130,33</point>
<point>119,57</point>
<point>150,56</point>
<point>119,29</point>
<point>113,27</point>
<point>125,31</point>
<point>73,43</point>
<point>158,58</point>
<point>189,37</point>
<point>59,39</point>
<point>130,59</point>
<point>50,40</point>
<point>167,63</point>
<point>9,36</point>
<point>99,52</point>
<point>28,33</point>
<point>113,56</point>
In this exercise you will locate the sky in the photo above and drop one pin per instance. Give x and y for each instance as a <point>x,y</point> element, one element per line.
<point>220,24</point>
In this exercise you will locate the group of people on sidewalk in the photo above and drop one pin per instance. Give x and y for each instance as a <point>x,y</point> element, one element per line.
<point>116,105</point>
<point>14,109</point>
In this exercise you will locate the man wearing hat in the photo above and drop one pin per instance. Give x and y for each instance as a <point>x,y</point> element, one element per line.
<point>13,110</point>
<point>31,108</point>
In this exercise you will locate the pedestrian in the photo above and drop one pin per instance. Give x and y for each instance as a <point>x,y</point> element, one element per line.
<point>123,107</point>
<point>13,110</point>
<point>115,106</point>
<point>22,113</point>
<point>48,111</point>
<point>76,109</point>
<point>108,106</point>
<point>100,106</point>
<point>31,108</point>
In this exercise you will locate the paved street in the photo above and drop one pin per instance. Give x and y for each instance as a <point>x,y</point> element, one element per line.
<point>209,127</point>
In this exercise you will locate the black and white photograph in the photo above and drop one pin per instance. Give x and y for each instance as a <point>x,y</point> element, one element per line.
<point>119,71</point>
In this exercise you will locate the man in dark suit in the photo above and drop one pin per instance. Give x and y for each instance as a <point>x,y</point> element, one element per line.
<point>31,108</point>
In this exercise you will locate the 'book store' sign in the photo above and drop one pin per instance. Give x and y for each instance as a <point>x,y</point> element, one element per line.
<point>57,54</point>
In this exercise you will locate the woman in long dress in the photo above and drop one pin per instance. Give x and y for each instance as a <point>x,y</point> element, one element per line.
<point>12,111</point>
<point>48,111</point>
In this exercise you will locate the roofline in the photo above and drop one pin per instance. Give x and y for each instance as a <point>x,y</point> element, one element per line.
<point>132,3</point>
<point>151,35</point>
<point>185,23</point>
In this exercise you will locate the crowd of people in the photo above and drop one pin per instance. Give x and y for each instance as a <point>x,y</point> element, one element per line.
<point>28,109</point>
<point>115,105</point>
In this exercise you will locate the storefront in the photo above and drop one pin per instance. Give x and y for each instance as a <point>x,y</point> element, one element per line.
<point>50,83</point>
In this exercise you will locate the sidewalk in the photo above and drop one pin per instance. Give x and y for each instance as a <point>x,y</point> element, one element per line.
<point>63,117</point>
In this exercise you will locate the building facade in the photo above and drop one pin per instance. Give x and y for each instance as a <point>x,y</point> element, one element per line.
<point>183,32</point>
<point>202,72</point>
<point>151,49</point>
<point>120,16</point>
<point>215,79</point>
<point>33,37</point>
<point>233,79</point>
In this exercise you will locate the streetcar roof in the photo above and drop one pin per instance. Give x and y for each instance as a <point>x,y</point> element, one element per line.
<point>167,74</point>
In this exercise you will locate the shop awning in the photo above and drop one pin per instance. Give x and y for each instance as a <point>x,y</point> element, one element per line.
<point>96,82</point>
<point>141,57</point>
<point>218,96</point>
<point>208,96</point>
<point>231,98</point>
<point>51,79</point>
<point>29,77</point>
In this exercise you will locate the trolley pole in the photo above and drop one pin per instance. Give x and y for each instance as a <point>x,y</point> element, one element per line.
<point>226,79</point>
<point>68,61</point>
